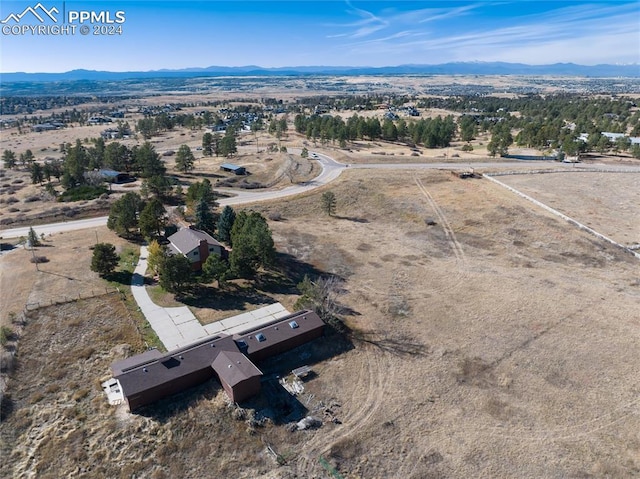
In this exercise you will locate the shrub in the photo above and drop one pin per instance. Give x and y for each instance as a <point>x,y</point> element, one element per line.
<point>82,193</point>
<point>6,333</point>
<point>39,259</point>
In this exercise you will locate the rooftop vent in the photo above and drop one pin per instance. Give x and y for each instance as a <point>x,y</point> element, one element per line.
<point>293,325</point>
<point>144,369</point>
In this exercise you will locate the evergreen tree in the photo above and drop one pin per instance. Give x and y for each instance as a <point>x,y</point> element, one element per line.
<point>157,185</point>
<point>207,144</point>
<point>227,145</point>
<point>75,164</point>
<point>205,219</point>
<point>37,174</point>
<point>253,245</point>
<point>201,190</point>
<point>32,238</point>
<point>389,130</point>
<point>225,224</point>
<point>123,215</point>
<point>185,160</point>
<point>175,274</point>
<point>329,202</point>
<point>147,161</point>
<point>215,268</point>
<point>9,159</point>
<point>104,259</point>
<point>152,218</point>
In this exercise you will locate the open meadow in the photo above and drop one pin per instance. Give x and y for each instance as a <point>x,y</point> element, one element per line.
<point>488,338</point>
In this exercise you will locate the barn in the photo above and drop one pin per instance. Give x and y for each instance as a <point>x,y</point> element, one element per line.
<point>238,170</point>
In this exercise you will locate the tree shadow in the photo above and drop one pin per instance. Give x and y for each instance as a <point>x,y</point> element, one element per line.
<point>351,218</point>
<point>289,273</point>
<point>121,277</point>
<point>57,274</point>
<point>400,346</point>
<point>230,298</point>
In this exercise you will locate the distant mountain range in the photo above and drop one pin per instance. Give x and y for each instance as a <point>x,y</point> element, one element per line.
<point>459,68</point>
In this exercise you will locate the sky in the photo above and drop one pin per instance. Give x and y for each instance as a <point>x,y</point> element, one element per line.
<point>153,35</point>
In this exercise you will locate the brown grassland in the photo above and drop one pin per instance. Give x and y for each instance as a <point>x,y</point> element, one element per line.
<point>488,339</point>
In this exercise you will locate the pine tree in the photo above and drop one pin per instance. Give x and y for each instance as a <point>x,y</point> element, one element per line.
<point>105,259</point>
<point>152,218</point>
<point>185,160</point>
<point>32,238</point>
<point>329,202</point>
<point>175,274</point>
<point>205,220</point>
<point>215,268</point>
<point>225,224</point>
<point>9,159</point>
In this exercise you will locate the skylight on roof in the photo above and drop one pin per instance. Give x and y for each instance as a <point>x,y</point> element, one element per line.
<point>261,337</point>
<point>293,324</point>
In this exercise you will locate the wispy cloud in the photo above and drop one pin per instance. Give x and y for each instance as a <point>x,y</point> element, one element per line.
<point>392,19</point>
<point>367,25</point>
<point>578,33</point>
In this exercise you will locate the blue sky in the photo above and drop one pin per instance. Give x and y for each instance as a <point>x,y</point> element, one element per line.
<point>183,34</point>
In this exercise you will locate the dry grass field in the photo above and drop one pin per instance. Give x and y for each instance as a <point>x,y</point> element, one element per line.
<point>608,203</point>
<point>489,339</point>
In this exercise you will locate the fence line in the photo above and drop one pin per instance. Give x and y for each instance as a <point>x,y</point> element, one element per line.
<point>563,216</point>
<point>577,170</point>
<point>68,299</point>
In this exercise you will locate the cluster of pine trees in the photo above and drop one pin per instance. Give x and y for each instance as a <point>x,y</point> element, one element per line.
<point>430,132</point>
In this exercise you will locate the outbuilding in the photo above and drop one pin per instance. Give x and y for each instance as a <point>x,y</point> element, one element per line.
<point>238,170</point>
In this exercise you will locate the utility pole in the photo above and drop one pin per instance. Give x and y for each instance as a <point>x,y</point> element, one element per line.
<point>35,260</point>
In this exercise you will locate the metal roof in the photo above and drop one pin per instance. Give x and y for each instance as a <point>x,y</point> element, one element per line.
<point>232,167</point>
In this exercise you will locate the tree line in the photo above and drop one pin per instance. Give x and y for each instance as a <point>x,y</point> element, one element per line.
<point>429,132</point>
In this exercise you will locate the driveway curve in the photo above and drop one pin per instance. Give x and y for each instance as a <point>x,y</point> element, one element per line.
<point>331,169</point>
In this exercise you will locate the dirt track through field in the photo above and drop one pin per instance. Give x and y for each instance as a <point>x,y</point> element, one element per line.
<point>369,390</point>
<point>455,245</point>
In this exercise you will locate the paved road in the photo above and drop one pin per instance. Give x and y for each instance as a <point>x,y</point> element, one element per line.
<point>331,169</point>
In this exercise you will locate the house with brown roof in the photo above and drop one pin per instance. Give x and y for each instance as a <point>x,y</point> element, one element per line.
<point>150,376</point>
<point>195,245</point>
<point>280,335</point>
<point>240,378</point>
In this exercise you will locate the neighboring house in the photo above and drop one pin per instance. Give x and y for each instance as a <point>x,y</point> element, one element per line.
<point>44,127</point>
<point>115,133</point>
<point>150,376</point>
<point>195,245</point>
<point>113,176</point>
<point>612,136</point>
